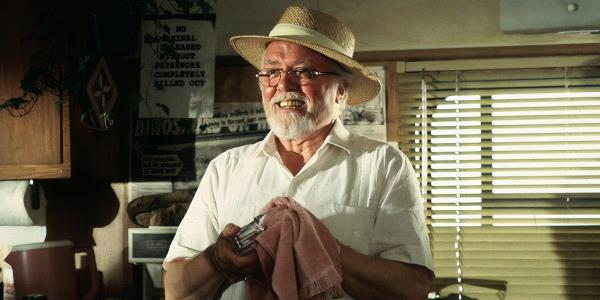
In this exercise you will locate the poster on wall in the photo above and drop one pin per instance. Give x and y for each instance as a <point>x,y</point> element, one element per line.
<point>150,162</point>
<point>177,68</point>
<point>179,150</point>
<point>233,118</point>
<point>368,119</point>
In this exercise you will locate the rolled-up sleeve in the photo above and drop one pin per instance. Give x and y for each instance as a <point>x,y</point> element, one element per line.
<point>400,231</point>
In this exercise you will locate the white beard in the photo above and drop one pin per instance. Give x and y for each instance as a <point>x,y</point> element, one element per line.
<point>294,125</point>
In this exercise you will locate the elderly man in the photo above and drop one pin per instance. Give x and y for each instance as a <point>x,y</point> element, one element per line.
<point>365,192</point>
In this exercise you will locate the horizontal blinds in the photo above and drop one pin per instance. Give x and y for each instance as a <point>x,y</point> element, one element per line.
<point>513,178</point>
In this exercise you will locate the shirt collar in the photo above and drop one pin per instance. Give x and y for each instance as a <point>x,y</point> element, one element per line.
<point>267,146</point>
<point>338,136</point>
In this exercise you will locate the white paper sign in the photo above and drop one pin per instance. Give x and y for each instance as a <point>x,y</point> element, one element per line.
<point>139,189</point>
<point>177,69</point>
<point>368,119</point>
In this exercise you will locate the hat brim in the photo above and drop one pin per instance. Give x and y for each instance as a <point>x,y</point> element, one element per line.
<point>364,86</point>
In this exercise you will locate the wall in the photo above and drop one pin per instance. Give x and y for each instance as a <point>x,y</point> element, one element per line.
<point>391,24</point>
<point>111,248</point>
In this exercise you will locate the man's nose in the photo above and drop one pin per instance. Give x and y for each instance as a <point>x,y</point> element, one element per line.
<point>288,81</point>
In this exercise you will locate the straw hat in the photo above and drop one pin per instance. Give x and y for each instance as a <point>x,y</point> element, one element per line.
<point>321,33</point>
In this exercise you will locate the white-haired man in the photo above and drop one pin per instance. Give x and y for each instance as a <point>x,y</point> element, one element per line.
<point>365,192</point>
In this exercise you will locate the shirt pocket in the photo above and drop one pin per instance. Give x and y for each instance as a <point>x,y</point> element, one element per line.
<point>351,225</point>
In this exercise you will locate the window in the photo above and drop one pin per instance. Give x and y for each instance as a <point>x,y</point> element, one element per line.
<point>508,154</point>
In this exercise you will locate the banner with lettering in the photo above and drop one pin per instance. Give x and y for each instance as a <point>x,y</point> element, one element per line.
<point>177,69</point>
<point>179,149</point>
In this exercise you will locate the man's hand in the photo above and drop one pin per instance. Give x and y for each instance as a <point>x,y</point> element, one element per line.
<point>281,202</point>
<point>227,262</point>
<point>203,276</point>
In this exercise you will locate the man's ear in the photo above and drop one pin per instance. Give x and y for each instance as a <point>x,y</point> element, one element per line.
<point>341,91</point>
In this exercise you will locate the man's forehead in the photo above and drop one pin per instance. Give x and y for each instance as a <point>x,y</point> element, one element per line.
<point>279,52</point>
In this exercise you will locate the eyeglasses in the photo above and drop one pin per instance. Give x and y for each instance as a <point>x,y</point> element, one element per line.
<point>270,78</point>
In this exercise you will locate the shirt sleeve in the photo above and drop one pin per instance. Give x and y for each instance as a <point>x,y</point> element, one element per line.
<point>400,231</point>
<point>199,227</point>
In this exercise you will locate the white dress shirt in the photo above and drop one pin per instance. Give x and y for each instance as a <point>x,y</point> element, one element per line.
<point>364,191</point>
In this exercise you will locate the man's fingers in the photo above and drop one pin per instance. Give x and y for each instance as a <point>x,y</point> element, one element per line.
<point>249,263</point>
<point>230,230</point>
<point>235,267</point>
<point>247,259</point>
<point>268,207</point>
<point>282,201</point>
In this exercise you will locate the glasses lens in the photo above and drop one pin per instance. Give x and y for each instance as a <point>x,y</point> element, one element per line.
<point>271,78</point>
<point>304,76</point>
<point>264,79</point>
<point>274,76</point>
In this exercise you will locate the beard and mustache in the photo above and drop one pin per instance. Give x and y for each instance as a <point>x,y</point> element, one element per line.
<point>294,124</point>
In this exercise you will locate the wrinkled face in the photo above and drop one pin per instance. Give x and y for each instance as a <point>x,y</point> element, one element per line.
<point>293,110</point>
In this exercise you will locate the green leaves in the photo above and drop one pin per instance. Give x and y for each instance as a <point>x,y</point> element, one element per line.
<point>13,103</point>
<point>151,7</point>
<point>204,6</point>
<point>89,119</point>
<point>37,78</point>
<point>58,66</point>
<point>186,7</point>
<point>85,114</point>
<point>164,108</point>
<point>167,51</point>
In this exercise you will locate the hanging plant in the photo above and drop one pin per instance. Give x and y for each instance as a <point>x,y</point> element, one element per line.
<point>58,63</point>
<point>64,53</point>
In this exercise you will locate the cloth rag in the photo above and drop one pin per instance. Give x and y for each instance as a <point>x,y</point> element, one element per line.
<point>298,255</point>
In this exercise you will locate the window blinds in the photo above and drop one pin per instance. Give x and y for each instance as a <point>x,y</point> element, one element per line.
<point>512,169</point>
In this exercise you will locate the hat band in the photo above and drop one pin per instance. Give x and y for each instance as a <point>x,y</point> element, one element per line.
<point>284,30</point>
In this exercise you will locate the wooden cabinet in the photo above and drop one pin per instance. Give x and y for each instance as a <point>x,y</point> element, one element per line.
<point>35,145</point>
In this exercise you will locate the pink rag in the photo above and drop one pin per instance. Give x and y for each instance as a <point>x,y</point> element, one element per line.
<point>298,256</point>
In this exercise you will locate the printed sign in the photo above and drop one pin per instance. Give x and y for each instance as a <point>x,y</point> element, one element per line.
<point>161,165</point>
<point>177,69</point>
<point>179,150</point>
<point>368,119</point>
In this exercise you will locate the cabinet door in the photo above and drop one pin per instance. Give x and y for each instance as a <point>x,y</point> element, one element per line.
<point>35,145</point>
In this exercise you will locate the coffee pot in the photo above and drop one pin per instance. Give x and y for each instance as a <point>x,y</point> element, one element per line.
<point>48,269</point>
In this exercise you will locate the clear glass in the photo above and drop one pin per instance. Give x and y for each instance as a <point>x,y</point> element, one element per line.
<point>271,78</point>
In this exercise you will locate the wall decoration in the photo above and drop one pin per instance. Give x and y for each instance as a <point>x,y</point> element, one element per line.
<point>179,150</point>
<point>233,118</point>
<point>102,92</point>
<point>177,68</point>
<point>368,119</point>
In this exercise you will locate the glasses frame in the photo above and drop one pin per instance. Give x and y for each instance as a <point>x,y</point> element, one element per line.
<point>296,72</point>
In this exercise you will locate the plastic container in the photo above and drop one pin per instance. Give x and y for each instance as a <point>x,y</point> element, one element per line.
<point>49,269</point>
